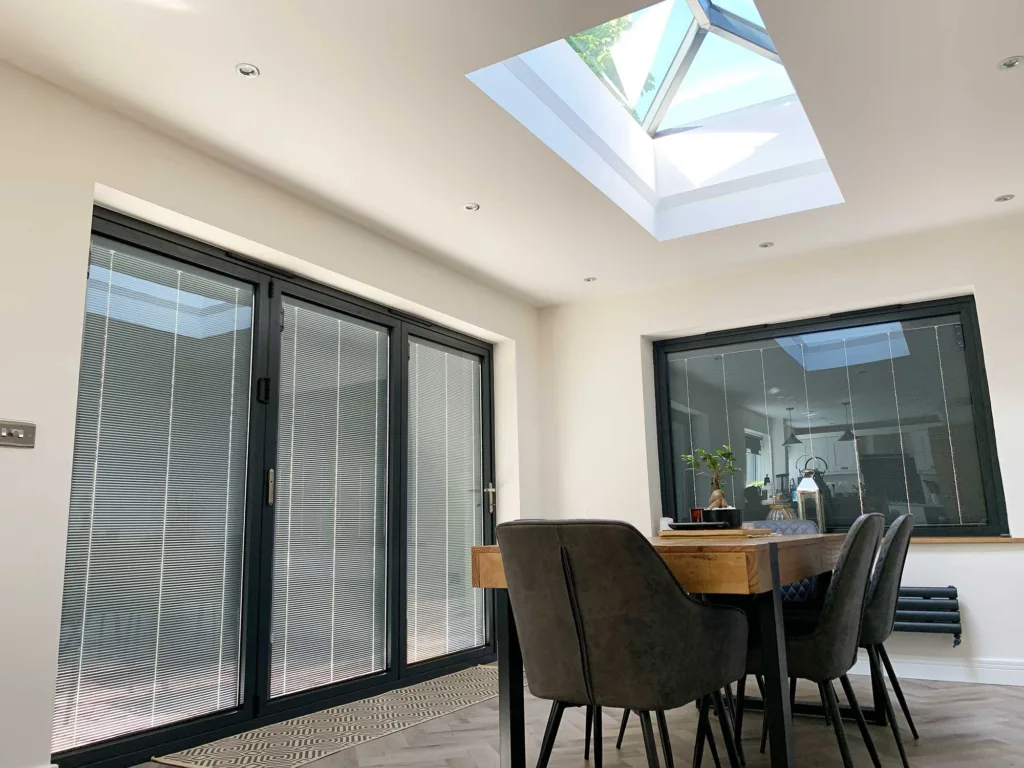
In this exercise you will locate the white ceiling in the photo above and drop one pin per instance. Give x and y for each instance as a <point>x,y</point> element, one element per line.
<point>364,107</point>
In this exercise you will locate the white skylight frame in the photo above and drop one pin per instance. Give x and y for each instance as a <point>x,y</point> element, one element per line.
<point>708,18</point>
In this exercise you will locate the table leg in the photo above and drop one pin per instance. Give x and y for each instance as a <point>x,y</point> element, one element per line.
<point>511,716</point>
<point>877,716</point>
<point>776,674</point>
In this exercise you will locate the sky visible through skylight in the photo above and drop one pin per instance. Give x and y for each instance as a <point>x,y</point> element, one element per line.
<point>631,55</point>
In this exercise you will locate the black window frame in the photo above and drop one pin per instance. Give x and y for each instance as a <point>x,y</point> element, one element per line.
<point>981,408</point>
<point>257,708</point>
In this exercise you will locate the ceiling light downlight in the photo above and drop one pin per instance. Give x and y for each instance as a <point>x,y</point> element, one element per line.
<point>471,207</point>
<point>248,71</point>
<point>1012,62</point>
<point>1005,198</point>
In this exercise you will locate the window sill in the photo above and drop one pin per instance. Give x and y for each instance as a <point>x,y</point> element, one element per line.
<point>965,540</point>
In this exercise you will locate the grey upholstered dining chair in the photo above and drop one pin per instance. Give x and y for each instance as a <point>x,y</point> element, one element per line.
<point>880,616</point>
<point>603,622</point>
<point>826,649</point>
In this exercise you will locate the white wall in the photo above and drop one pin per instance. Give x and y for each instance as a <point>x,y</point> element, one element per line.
<point>57,155</point>
<point>603,460</point>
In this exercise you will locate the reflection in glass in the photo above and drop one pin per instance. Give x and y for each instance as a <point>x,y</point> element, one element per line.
<point>725,77</point>
<point>881,416</point>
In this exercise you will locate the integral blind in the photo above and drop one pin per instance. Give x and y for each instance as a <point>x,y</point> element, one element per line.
<point>152,586</point>
<point>330,533</point>
<point>444,501</point>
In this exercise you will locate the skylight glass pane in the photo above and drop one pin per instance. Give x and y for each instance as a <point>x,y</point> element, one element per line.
<point>725,77</point>
<point>745,9</point>
<point>631,55</point>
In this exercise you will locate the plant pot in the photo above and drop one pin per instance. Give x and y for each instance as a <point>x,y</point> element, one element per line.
<point>729,515</point>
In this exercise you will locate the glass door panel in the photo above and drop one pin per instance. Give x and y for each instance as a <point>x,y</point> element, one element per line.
<point>330,528</point>
<point>444,501</point>
<point>151,615</point>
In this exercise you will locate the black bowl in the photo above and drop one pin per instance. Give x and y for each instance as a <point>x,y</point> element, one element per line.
<point>733,518</point>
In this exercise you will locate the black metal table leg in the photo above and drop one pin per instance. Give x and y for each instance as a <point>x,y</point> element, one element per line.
<point>776,673</point>
<point>511,715</point>
<point>878,694</point>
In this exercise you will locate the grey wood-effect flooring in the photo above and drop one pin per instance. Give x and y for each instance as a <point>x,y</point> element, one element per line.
<point>959,724</point>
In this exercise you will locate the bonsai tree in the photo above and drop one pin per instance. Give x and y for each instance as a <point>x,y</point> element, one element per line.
<point>719,464</point>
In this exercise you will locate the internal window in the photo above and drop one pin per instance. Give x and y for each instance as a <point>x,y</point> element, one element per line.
<point>886,412</point>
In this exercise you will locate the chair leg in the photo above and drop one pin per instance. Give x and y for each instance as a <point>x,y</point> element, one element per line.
<point>824,706</point>
<point>586,738</point>
<point>548,742</point>
<point>896,687</point>
<point>598,735</point>
<point>622,728</point>
<point>741,692</point>
<point>666,742</point>
<point>862,724</point>
<point>702,729</point>
<point>764,716</point>
<point>792,693</point>
<point>837,725</point>
<point>727,734</point>
<point>876,669</point>
<point>649,745</point>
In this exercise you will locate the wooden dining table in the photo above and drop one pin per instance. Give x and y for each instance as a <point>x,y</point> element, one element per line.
<point>757,567</point>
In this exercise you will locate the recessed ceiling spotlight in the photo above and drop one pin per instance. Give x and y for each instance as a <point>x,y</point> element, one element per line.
<point>1005,198</point>
<point>765,244</point>
<point>1012,62</point>
<point>471,207</point>
<point>249,71</point>
<point>589,279</point>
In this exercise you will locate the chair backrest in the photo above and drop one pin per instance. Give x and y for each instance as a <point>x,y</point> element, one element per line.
<point>805,590</point>
<point>602,620</point>
<point>884,589</point>
<point>839,627</point>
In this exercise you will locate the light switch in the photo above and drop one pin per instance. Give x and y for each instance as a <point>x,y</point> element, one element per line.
<point>17,434</point>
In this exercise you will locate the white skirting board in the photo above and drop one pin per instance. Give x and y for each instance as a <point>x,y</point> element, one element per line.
<point>988,671</point>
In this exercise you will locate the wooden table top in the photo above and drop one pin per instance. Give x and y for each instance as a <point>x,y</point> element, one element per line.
<point>713,566</point>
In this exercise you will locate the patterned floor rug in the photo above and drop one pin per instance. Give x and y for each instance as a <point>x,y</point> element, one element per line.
<point>305,739</point>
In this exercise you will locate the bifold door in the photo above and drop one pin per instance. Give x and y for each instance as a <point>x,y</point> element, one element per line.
<point>275,489</point>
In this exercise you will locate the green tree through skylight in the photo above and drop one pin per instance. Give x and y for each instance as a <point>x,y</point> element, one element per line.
<point>595,45</point>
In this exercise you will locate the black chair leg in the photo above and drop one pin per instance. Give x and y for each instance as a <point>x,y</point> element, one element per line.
<point>876,669</point>
<point>764,716</point>
<point>837,725</point>
<point>666,742</point>
<point>792,693</point>
<point>896,687</point>
<point>548,742</point>
<point>598,755</point>
<point>704,733</point>
<point>586,738</point>
<point>741,691</point>
<point>649,745</point>
<point>824,705</point>
<point>727,734</point>
<point>622,728</point>
<point>862,724</point>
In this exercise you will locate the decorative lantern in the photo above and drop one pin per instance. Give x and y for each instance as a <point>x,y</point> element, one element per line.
<point>809,499</point>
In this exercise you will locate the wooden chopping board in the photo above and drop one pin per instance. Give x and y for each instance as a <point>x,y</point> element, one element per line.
<point>717,533</point>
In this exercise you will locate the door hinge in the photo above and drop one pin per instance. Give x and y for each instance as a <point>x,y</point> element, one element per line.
<point>270,487</point>
<point>263,390</point>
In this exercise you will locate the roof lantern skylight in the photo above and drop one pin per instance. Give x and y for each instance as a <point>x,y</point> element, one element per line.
<point>682,61</point>
<point>681,113</point>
